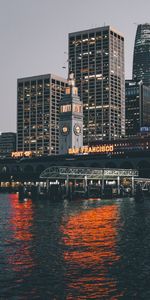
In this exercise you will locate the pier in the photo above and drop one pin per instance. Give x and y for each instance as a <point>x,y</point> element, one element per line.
<point>60,182</point>
<point>87,182</point>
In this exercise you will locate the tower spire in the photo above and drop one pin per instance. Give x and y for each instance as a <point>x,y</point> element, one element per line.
<point>71,89</point>
<point>71,79</point>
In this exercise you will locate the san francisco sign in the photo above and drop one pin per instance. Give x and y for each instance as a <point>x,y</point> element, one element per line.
<point>92,149</point>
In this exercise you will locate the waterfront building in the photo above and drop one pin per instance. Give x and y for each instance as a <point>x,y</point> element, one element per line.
<point>7,143</point>
<point>96,57</point>
<point>137,107</point>
<point>141,58</point>
<point>127,146</point>
<point>38,100</point>
<point>71,119</point>
<point>124,153</point>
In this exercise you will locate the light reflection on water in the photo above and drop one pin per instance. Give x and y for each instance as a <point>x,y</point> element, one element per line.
<point>91,239</point>
<point>21,220</point>
<point>87,249</point>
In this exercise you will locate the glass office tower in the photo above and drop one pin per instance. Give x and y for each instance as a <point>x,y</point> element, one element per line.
<point>38,100</point>
<point>137,99</point>
<point>96,57</point>
<point>141,58</point>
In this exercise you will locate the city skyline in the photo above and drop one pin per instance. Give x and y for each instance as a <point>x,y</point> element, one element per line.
<point>33,43</point>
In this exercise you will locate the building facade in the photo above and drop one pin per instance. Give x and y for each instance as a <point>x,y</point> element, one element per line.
<point>96,57</point>
<point>38,100</point>
<point>141,58</point>
<point>7,143</point>
<point>71,119</point>
<point>137,107</point>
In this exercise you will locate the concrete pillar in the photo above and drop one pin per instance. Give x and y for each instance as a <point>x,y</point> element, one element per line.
<point>39,188</point>
<point>118,185</point>
<point>74,185</point>
<point>132,187</point>
<point>102,190</point>
<point>47,185</point>
<point>85,184</point>
<point>67,184</point>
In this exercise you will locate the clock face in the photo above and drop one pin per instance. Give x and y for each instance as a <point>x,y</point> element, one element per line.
<point>65,129</point>
<point>77,129</point>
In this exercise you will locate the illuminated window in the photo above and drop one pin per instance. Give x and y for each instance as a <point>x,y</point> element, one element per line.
<point>65,108</point>
<point>68,91</point>
<point>77,108</point>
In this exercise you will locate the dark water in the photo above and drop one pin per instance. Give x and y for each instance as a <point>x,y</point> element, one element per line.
<point>87,249</point>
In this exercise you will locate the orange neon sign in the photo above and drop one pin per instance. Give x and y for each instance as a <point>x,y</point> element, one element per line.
<point>21,153</point>
<point>92,149</point>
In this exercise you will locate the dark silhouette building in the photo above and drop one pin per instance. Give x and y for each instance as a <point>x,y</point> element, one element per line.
<point>137,107</point>
<point>7,143</point>
<point>141,59</point>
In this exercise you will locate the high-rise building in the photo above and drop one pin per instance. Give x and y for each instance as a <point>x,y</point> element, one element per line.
<point>96,57</point>
<point>7,143</point>
<point>38,100</point>
<point>137,103</point>
<point>141,58</point>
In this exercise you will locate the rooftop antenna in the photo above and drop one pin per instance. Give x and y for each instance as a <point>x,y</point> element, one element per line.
<point>64,65</point>
<point>69,61</point>
<point>65,62</point>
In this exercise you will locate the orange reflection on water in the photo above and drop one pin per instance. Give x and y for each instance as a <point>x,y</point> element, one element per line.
<point>90,237</point>
<point>20,222</point>
<point>22,215</point>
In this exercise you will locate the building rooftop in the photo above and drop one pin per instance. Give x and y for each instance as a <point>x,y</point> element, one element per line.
<point>43,76</point>
<point>103,28</point>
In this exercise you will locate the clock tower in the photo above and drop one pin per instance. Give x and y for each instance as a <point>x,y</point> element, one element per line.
<point>71,119</point>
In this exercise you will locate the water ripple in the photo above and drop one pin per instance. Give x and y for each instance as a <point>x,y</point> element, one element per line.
<point>87,249</point>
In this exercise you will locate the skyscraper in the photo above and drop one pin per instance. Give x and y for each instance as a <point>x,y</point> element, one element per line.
<point>96,57</point>
<point>141,58</point>
<point>38,100</point>
<point>137,99</point>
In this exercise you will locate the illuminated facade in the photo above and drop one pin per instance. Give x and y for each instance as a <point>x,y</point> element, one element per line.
<point>96,57</point>
<point>137,100</point>
<point>141,59</point>
<point>71,119</point>
<point>38,100</point>
<point>136,144</point>
<point>92,149</point>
